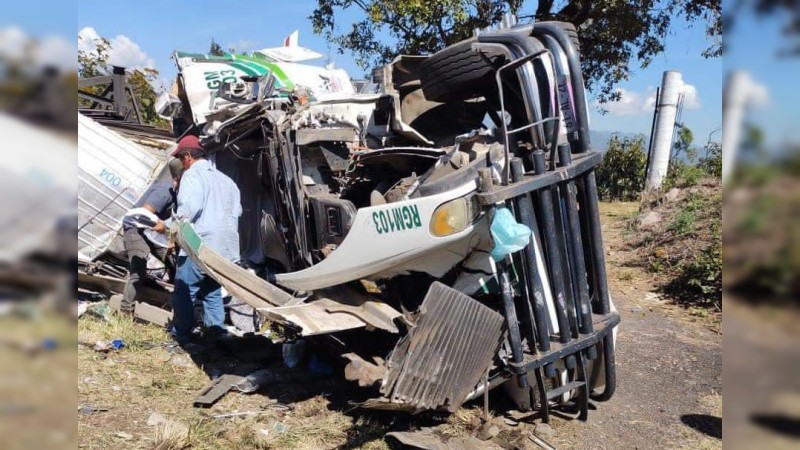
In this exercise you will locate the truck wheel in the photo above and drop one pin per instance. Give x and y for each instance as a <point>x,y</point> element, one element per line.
<point>571,32</point>
<point>456,72</point>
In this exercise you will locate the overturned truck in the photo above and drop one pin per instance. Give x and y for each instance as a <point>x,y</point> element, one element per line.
<point>448,210</point>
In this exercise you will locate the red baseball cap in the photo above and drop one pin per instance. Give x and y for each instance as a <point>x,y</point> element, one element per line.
<point>187,142</point>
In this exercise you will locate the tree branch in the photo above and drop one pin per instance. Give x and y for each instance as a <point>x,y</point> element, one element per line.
<point>543,10</point>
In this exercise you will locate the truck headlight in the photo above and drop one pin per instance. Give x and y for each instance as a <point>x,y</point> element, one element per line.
<point>454,216</point>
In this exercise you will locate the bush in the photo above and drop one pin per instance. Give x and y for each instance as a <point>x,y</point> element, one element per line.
<point>687,248</point>
<point>620,177</point>
<point>711,163</point>
<point>699,280</point>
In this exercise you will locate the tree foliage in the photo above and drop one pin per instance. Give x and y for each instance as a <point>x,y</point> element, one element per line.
<point>711,162</point>
<point>613,33</point>
<point>95,63</point>
<point>620,176</point>
<point>683,168</point>
<point>215,49</point>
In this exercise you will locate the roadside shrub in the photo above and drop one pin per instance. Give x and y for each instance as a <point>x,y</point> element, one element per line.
<point>711,163</point>
<point>620,177</point>
<point>699,280</point>
<point>681,174</point>
<point>686,248</point>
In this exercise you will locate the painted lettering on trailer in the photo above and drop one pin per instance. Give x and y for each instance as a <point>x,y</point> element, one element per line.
<point>216,78</point>
<point>110,177</point>
<point>396,219</point>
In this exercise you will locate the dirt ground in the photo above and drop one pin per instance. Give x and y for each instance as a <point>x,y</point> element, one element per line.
<point>669,394</point>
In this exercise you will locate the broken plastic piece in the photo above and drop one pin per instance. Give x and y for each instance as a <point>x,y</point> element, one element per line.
<point>509,235</point>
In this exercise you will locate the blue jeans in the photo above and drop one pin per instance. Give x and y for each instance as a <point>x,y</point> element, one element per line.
<point>192,285</point>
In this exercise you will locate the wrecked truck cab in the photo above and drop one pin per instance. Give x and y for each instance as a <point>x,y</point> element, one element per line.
<point>400,189</point>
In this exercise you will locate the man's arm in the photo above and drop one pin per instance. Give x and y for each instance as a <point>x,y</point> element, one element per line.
<point>190,202</point>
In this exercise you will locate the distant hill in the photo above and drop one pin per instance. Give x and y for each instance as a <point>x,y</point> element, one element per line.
<point>600,139</point>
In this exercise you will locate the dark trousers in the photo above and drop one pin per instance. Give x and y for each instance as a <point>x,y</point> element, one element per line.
<point>138,248</point>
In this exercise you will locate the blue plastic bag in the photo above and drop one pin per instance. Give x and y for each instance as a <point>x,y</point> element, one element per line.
<point>509,236</point>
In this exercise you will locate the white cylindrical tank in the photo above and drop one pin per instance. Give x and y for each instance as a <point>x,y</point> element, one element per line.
<point>739,95</point>
<point>666,110</point>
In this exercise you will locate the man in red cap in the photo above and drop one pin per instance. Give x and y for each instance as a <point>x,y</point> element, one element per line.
<point>210,201</point>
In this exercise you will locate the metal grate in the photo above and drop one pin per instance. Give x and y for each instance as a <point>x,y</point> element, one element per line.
<point>444,356</point>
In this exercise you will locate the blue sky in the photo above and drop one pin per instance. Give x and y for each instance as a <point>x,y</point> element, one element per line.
<point>753,46</point>
<point>158,28</point>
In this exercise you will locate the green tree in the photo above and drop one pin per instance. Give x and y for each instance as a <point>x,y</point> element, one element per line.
<point>682,148</point>
<point>711,163</point>
<point>684,169</point>
<point>215,49</point>
<point>613,33</point>
<point>621,174</point>
<point>95,63</point>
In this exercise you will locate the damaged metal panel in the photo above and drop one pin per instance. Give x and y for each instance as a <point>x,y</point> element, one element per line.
<point>444,356</point>
<point>320,315</point>
<point>242,284</point>
<point>113,173</point>
<point>324,316</point>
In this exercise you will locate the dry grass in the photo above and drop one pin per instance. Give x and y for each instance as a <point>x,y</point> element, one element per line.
<point>144,377</point>
<point>37,400</point>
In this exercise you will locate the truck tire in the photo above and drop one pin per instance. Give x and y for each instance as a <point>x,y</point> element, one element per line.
<point>572,33</point>
<point>459,72</point>
<point>456,72</point>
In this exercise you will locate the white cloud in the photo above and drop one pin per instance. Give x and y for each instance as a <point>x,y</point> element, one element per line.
<point>57,51</point>
<point>242,46</point>
<point>691,100</point>
<point>16,45</point>
<point>630,103</point>
<point>12,43</point>
<point>124,52</point>
<point>633,103</point>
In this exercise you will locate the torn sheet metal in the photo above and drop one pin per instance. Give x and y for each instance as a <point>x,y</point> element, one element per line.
<point>365,372</point>
<point>325,316</point>
<point>427,439</point>
<point>321,315</point>
<point>444,356</point>
<point>240,283</point>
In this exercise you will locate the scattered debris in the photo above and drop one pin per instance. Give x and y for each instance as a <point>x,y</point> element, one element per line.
<point>540,442</point>
<point>124,435</point>
<point>89,409</point>
<point>152,314</point>
<point>427,439</point>
<point>254,381</point>
<point>240,414</point>
<point>107,346</point>
<point>488,431</point>
<point>143,311</point>
<point>99,310</point>
<point>650,219</point>
<point>82,307</point>
<point>217,389</point>
<point>366,373</point>
<point>12,409</point>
